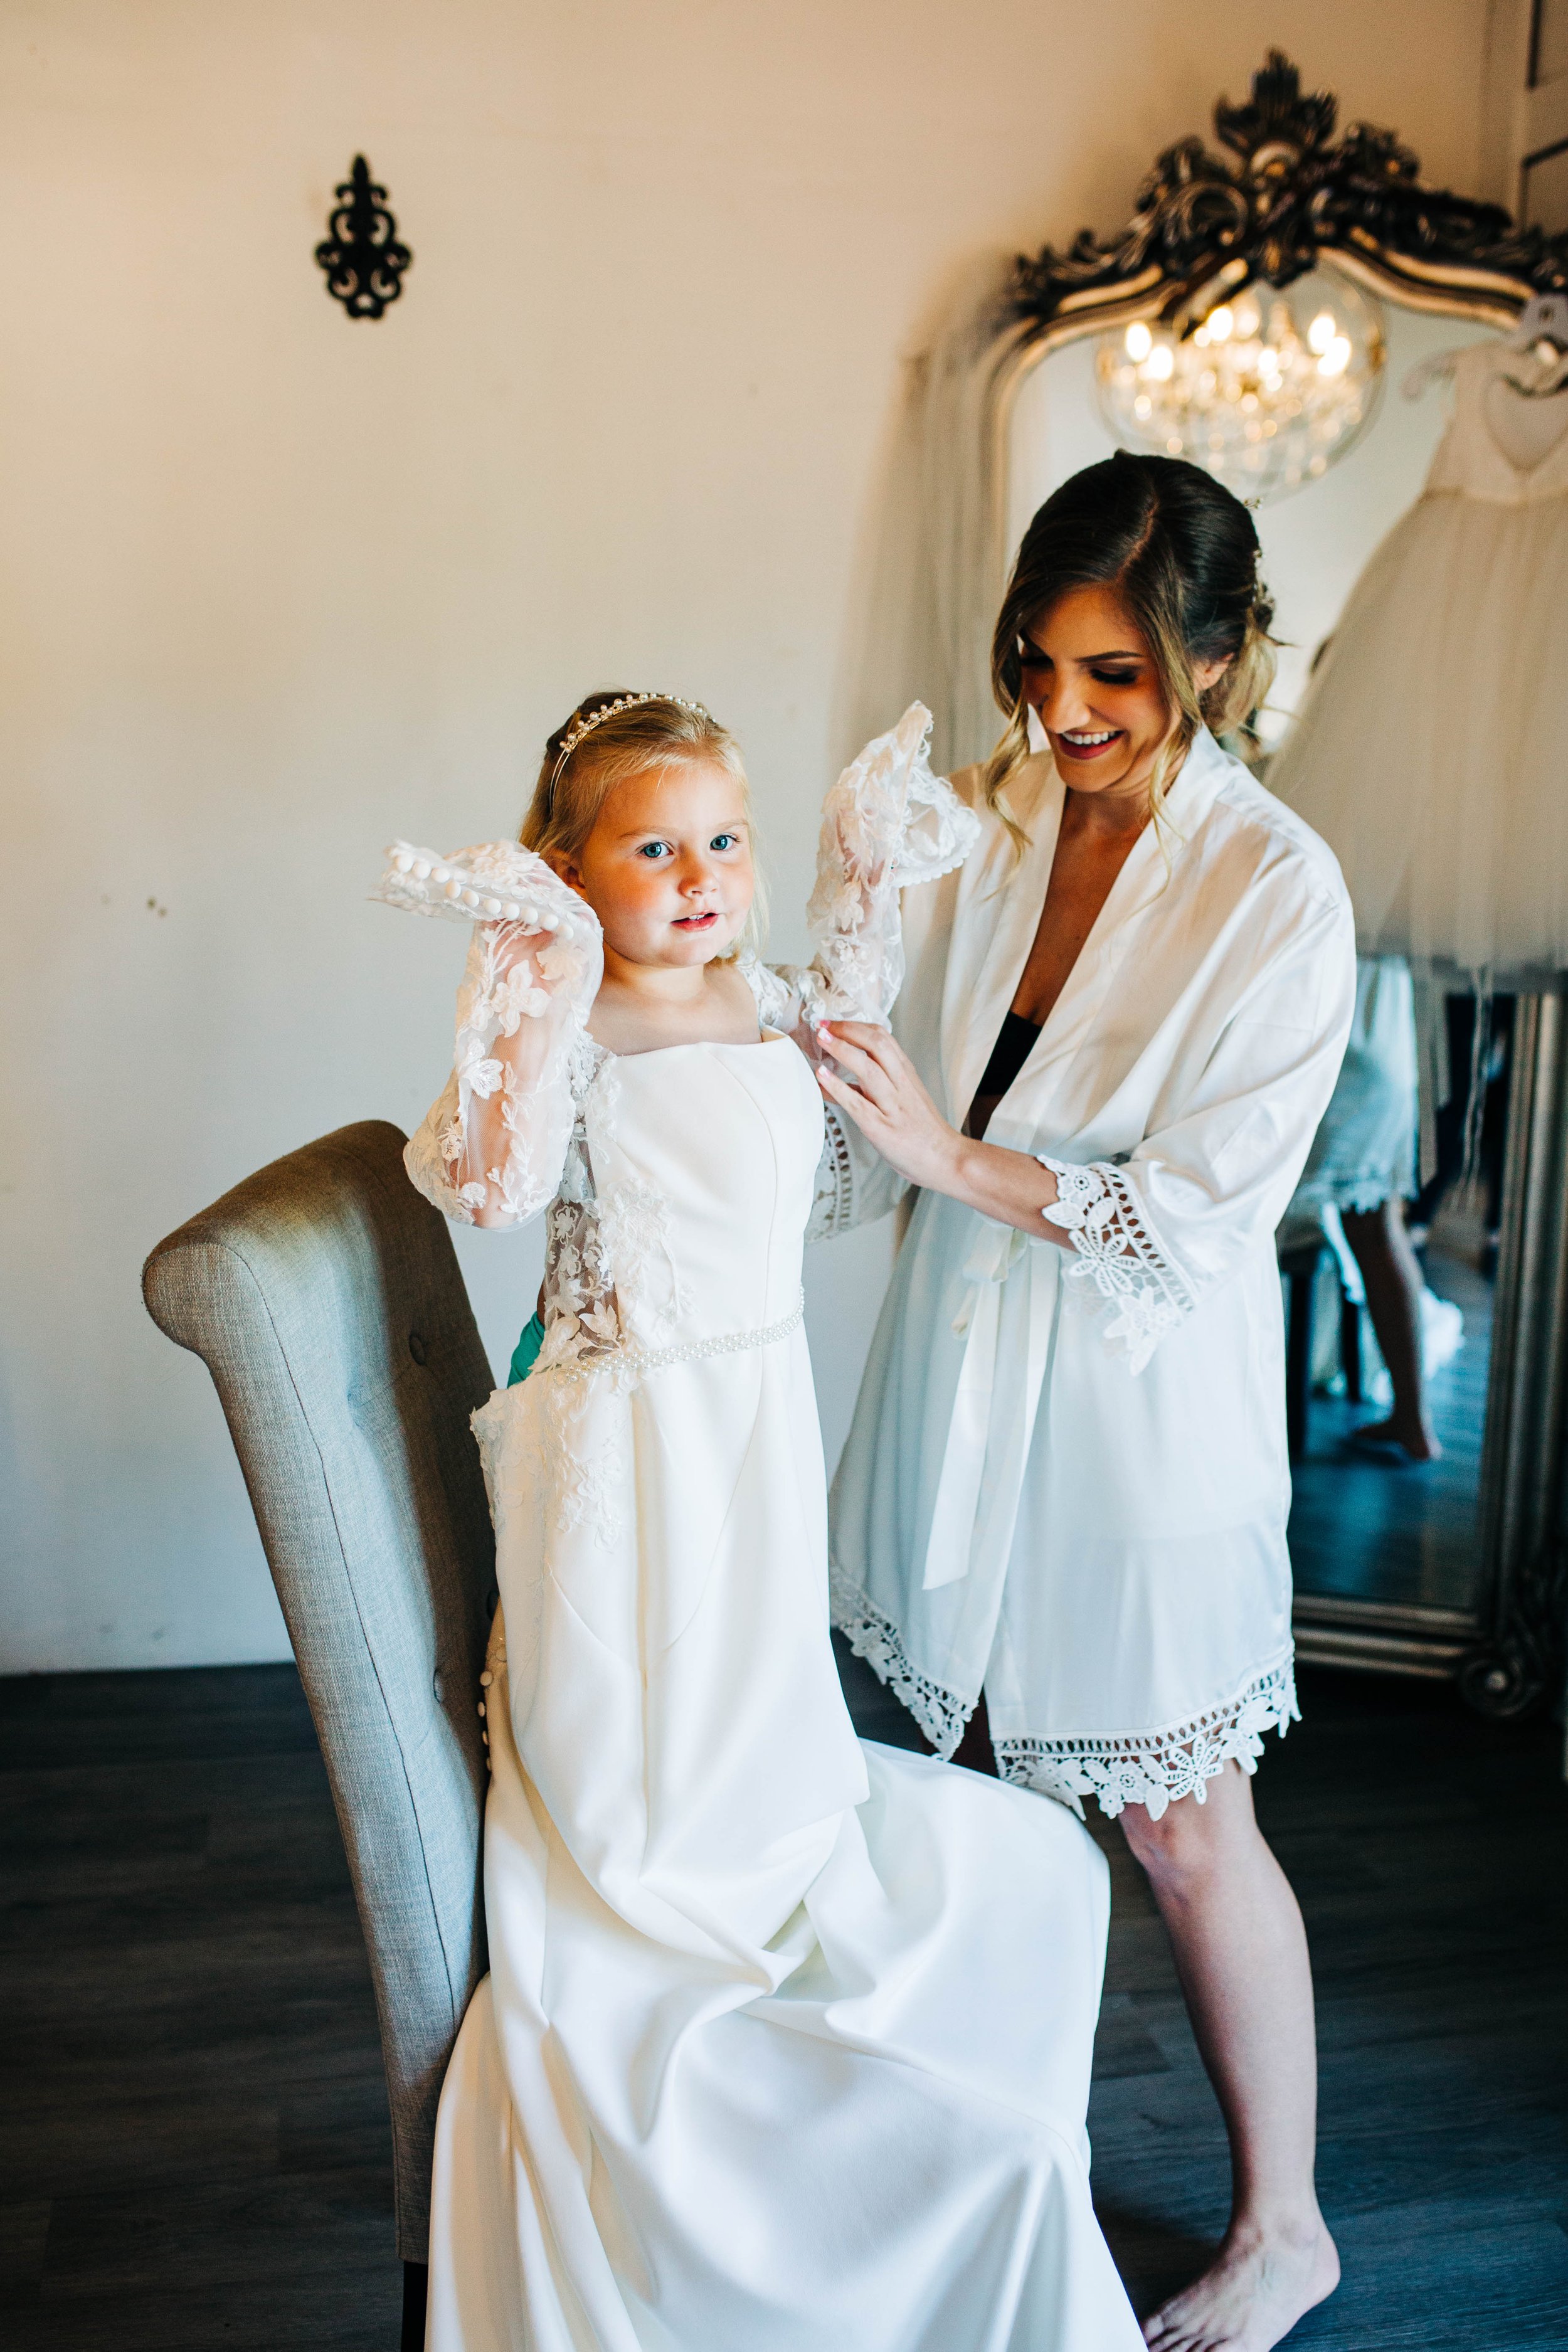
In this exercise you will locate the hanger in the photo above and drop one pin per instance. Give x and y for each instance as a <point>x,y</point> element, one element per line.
<point>1542,330</point>
<point>1544,319</point>
<point>1542,333</point>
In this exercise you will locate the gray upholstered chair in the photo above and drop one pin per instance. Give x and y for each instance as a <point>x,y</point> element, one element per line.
<point>324,1297</point>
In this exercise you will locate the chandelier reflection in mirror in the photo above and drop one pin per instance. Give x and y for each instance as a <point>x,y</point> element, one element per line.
<point>1265,391</point>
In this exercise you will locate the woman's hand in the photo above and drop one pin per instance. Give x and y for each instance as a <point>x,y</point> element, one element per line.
<point>889,1105</point>
<point>893,1111</point>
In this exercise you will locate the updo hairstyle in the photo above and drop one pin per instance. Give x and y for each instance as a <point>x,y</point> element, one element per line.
<point>659,733</point>
<point>1180,551</point>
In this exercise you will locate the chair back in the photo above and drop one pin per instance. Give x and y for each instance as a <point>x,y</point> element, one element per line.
<point>325,1296</point>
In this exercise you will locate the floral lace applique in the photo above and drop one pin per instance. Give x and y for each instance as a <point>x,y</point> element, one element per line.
<point>579,1309</point>
<point>1117,1252</point>
<point>634,1221</point>
<point>589,1466</point>
<point>496,1138</point>
<point>1155,1767</point>
<point>778,1007</point>
<point>887,821</point>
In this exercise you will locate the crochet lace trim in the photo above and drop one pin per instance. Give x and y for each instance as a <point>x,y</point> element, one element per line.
<point>832,1201</point>
<point>941,1714</point>
<point>1157,1768</point>
<point>1129,1768</point>
<point>1117,1252</point>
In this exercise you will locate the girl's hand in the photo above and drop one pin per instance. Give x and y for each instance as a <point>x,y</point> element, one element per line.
<point>889,1105</point>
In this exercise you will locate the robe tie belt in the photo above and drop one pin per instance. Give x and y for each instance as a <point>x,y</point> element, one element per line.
<point>981,1483</point>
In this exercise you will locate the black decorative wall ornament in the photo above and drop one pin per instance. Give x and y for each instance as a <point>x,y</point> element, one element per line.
<point>1283,195</point>
<point>363,258</point>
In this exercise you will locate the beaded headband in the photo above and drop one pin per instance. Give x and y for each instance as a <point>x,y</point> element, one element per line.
<point>609,711</point>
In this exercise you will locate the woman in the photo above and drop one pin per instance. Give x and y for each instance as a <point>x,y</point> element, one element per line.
<point>1361,1166</point>
<point>1066,1484</point>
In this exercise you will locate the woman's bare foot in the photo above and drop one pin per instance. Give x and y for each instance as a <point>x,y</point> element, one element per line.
<point>1252,2294</point>
<point>1394,1437</point>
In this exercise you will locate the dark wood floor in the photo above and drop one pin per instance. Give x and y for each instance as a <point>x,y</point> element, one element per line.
<point>193,2135</point>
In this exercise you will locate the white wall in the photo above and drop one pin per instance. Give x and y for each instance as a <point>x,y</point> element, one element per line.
<point>277,585</point>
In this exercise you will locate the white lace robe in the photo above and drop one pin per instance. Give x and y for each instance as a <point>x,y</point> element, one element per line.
<point>1067,1478</point>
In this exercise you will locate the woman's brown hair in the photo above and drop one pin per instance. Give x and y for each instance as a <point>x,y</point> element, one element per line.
<point>1180,551</point>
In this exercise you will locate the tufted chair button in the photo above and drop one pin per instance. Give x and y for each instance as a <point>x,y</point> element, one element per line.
<point>416,1347</point>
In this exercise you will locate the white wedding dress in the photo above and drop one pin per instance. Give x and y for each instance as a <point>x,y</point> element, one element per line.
<point>1428,753</point>
<point>785,2043</point>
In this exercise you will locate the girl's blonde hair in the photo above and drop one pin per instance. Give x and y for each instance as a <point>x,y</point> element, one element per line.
<point>1180,551</point>
<point>582,764</point>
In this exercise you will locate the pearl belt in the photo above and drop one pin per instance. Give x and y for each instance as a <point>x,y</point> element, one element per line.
<point>632,1364</point>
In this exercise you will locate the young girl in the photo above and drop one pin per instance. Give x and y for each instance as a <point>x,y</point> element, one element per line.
<point>785,2043</point>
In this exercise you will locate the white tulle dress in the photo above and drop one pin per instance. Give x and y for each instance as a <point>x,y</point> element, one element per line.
<point>785,2043</point>
<point>1429,753</point>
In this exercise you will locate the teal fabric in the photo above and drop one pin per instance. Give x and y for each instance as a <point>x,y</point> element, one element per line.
<point>525,1355</point>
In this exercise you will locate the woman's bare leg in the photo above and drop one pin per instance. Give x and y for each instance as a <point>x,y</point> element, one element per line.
<point>1392,1273</point>
<point>1241,1955</point>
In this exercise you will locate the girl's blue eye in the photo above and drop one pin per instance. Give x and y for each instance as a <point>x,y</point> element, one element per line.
<point>724,841</point>
<point>652,849</point>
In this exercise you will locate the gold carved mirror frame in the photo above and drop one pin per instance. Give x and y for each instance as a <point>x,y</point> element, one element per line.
<point>1283,197</point>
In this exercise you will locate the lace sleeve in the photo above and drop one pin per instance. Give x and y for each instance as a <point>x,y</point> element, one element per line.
<point>490,1150</point>
<point>887,821</point>
<point>777,1001</point>
<point>1117,1253</point>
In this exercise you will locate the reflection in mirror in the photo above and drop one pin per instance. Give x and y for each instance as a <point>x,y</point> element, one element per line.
<point>1268,391</point>
<point>1317,541</point>
<point>1390,1282</point>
